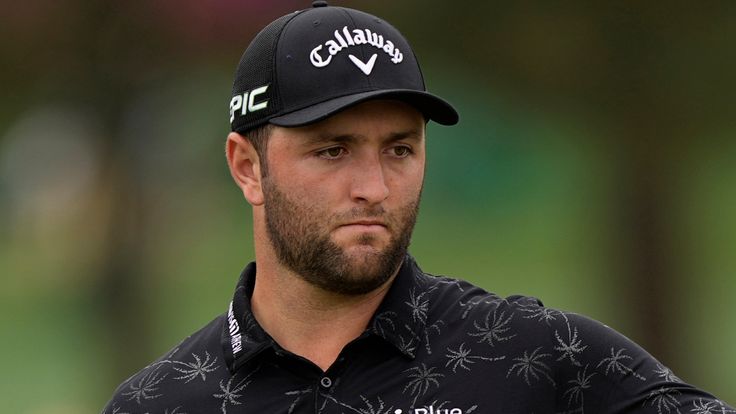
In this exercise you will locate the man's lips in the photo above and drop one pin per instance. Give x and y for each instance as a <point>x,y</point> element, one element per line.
<point>367,224</point>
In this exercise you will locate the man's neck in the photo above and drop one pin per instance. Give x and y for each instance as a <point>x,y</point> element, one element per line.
<point>307,320</point>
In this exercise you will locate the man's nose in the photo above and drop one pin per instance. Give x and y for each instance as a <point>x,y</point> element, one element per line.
<point>368,184</point>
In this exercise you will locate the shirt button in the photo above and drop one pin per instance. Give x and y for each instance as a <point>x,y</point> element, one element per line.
<point>325,382</point>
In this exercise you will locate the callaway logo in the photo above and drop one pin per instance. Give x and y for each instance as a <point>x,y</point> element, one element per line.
<point>234,331</point>
<point>347,38</point>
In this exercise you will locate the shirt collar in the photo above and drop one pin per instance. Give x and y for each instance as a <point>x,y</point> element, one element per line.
<point>402,316</point>
<point>400,319</point>
<point>242,336</point>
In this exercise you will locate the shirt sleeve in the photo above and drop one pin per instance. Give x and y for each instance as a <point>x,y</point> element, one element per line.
<point>595,360</point>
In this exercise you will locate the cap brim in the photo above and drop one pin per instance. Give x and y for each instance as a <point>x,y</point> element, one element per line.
<point>433,108</point>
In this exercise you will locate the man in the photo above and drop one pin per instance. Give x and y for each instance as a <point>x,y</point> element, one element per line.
<point>328,146</point>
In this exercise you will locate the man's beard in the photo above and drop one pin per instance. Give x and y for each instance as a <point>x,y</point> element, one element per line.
<point>300,235</point>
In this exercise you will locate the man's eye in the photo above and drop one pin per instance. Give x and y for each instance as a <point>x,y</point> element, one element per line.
<point>331,153</point>
<point>401,151</point>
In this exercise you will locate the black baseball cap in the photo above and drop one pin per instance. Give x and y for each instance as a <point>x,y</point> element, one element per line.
<point>313,63</point>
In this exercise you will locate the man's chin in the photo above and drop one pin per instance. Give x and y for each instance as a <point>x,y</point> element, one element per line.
<point>365,274</point>
<point>364,255</point>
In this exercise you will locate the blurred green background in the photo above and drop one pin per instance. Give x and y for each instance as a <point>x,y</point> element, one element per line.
<point>594,167</point>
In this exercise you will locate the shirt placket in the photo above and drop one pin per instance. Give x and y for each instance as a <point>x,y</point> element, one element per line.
<point>326,397</point>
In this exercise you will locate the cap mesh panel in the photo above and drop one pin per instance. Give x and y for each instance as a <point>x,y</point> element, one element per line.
<point>256,69</point>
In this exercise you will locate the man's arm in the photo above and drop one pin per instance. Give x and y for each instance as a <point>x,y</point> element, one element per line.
<point>596,360</point>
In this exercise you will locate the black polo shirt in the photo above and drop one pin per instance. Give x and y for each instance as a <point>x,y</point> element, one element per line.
<point>435,346</point>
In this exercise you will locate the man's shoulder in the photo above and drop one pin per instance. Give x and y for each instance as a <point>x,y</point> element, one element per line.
<point>454,302</point>
<point>188,370</point>
<point>468,299</point>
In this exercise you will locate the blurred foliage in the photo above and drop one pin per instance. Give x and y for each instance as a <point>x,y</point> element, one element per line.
<point>594,168</point>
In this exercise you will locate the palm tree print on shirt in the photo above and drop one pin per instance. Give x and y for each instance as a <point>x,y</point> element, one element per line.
<point>384,321</point>
<point>196,368</point>
<point>370,408</point>
<point>146,387</point>
<point>379,407</point>
<point>578,385</point>
<point>421,379</point>
<point>230,392</point>
<point>493,328</point>
<point>419,305</point>
<point>531,366</point>
<point>613,363</point>
<point>540,313</point>
<point>666,374</point>
<point>710,407</point>
<point>462,358</point>
<point>664,399</point>
<point>571,347</point>
<point>473,303</point>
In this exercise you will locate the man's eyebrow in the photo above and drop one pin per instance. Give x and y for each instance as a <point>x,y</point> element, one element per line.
<point>412,134</point>
<point>332,138</point>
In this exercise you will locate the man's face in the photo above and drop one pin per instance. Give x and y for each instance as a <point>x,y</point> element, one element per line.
<point>342,195</point>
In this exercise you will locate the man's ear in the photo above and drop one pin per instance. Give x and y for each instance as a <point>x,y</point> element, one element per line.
<point>245,167</point>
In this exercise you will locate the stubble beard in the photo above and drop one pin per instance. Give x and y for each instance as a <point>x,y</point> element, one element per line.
<point>300,236</point>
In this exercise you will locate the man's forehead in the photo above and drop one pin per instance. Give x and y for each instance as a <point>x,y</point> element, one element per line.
<point>383,119</point>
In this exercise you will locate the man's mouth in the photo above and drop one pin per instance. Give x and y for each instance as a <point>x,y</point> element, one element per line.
<point>367,224</point>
